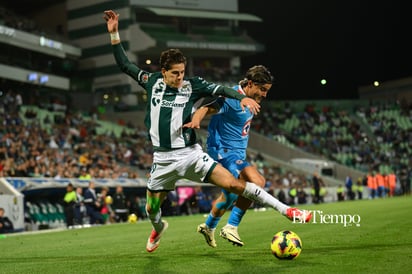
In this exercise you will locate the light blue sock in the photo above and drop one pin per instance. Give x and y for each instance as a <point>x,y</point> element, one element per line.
<point>211,221</point>
<point>236,216</point>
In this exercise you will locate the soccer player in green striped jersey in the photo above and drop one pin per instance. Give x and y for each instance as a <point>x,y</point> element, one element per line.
<point>172,97</point>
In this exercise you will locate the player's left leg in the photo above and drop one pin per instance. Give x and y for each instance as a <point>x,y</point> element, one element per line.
<point>230,230</point>
<point>153,209</point>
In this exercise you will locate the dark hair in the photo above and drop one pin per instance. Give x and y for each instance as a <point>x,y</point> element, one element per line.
<point>257,74</point>
<point>171,57</point>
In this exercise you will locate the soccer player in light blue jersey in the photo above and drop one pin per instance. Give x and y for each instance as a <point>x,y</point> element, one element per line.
<point>227,141</point>
<point>171,99</point>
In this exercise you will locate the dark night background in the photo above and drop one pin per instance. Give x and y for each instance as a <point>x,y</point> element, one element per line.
<point>349,43</point>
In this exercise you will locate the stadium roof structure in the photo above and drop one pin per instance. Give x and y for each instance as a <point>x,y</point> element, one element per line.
<point>205,14</point>
<point>201,39</point>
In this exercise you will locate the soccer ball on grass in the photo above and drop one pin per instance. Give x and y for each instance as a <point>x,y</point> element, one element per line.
<point>286,245</point>
<point>132,218</point>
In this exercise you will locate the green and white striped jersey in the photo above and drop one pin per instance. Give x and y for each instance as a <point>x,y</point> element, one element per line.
<point>169,108</point>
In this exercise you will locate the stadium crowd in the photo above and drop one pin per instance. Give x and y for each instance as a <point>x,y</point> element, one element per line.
<point>374,138</point>
<point>68,147</point>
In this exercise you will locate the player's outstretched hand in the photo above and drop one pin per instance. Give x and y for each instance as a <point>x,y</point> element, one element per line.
<point>112,21</point>
<point>253,106</point>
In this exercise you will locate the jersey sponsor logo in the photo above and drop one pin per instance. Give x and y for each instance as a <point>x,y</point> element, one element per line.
<point>246,128</point>
<point>169,104</point>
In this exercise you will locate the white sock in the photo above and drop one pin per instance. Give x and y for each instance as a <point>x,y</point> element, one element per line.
<point>256,193</point>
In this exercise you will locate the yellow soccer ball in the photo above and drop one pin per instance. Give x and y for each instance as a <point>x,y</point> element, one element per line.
<point>286,245</point>
<point>132,218</point>
<point>108,200</point>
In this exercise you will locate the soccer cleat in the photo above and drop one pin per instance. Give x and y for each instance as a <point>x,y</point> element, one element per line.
<point>154,239</point>
<point>229,233</point>
<point>208,233</point>
<point>297,215</point>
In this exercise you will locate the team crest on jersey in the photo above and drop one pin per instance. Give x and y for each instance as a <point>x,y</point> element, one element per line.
<point>145,78</point>
<point>239,162</point>
<point>187,136</point>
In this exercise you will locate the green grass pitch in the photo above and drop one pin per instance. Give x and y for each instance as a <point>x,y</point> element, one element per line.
<point>380,243</point>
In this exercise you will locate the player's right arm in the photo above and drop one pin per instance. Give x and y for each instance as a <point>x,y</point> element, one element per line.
<point>112,22</point>
<point>208,107</point>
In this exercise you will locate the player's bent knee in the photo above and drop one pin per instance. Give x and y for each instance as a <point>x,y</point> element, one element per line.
<point>257,179</point>
<point>236,187</point>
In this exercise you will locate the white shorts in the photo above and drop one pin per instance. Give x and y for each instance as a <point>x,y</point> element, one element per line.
<point>190,163</point>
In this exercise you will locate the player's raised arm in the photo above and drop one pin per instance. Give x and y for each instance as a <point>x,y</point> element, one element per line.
<point>125,65</point>
<point>112,21</point>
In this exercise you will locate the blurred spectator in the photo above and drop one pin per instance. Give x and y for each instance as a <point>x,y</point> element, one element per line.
<point>105,201</point>
<point>203,201</point>
<point>282,195</point>
<point>92,205</point>
<point>6,226</point>
<point>301,195</point>
<point>137,205</point>
<point>322,193</point>
<point>69,203</point>
<point>292,195</point>
<point>316,188</point>
<point>372,185</point>
<point>392,183</point>
<point>84,175</point>
<point>9,102</point>
<point>79,208</point>
<point>340,192</point>
<point>170,206</point>
<point>18,101</point>
<point>349,188</point>
<point>359,190</point>
<point>119,206</point>
<point>380,181</point>
<point>84,159</point>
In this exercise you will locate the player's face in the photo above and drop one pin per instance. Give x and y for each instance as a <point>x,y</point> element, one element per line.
<point>258,91</point>
<point>174,76</point>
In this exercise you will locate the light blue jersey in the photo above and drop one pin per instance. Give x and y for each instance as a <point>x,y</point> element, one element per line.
<point>228,134</point>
